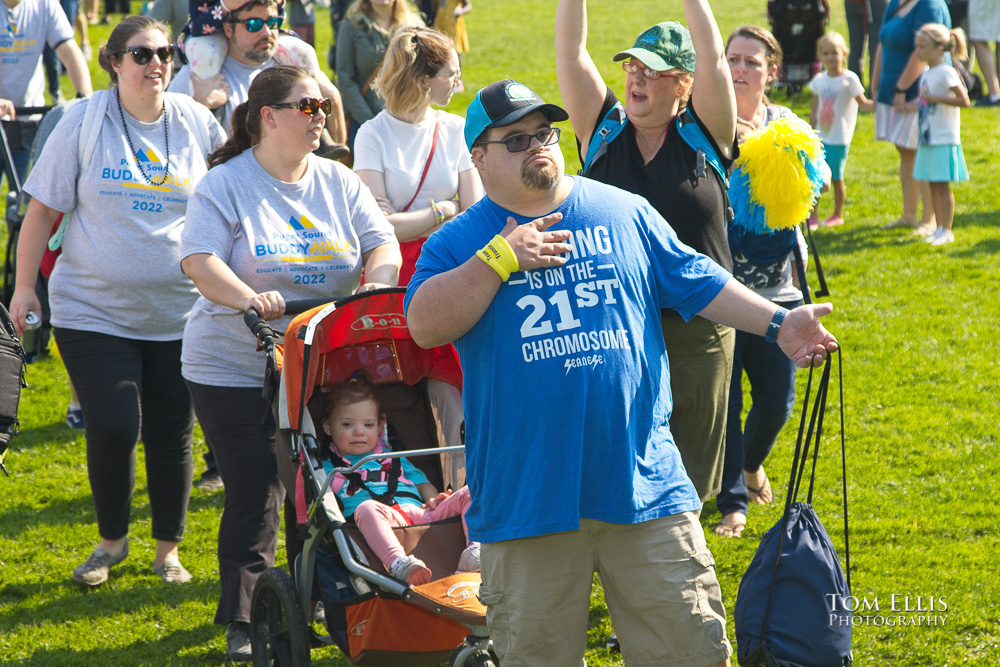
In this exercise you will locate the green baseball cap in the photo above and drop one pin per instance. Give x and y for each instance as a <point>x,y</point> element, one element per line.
<point>662,47</point>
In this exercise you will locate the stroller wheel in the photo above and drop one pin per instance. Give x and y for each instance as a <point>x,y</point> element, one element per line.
<point>477,659</point>
<point>279,633</point>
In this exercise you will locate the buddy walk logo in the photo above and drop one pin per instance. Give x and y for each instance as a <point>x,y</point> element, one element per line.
<point>898,610</point>
<point>151,164</point>
<point>306,244</point>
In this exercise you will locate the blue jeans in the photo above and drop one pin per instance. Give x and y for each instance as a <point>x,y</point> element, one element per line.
<point>49,57</point>
<point>772,395</point>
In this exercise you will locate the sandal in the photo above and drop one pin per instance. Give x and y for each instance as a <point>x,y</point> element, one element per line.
<point>732,525</point>
<point>762,495</point>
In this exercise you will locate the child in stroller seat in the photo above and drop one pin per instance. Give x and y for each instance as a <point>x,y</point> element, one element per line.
<point>383,494</point>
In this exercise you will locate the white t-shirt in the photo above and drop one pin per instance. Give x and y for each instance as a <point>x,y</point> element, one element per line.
<point>399,150</point>
<point>303,239</point>
<point>838,106</point>
<point>238,76</point>
<point>940,124</point>
<point>24,32</point>
<point>118,273</point>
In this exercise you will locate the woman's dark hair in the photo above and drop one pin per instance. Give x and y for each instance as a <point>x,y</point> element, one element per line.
<point>358,388</point>
<point>271,86</point>
<point>129,27</point>
<point>412,54</point>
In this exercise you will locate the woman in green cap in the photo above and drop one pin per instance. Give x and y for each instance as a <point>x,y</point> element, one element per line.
<point>674,79</point>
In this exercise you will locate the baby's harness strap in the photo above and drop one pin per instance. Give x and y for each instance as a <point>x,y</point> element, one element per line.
<point>390,472</point>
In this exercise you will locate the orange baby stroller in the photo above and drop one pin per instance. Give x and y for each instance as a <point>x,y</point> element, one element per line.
<point>373,618</point>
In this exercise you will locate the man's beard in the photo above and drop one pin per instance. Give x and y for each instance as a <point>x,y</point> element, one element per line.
<point>542,177</point>
<point>260,55</point>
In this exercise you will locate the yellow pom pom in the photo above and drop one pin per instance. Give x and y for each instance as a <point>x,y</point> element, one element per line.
<point>772,159</point>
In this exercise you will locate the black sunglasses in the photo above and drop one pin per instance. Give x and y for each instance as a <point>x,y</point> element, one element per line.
<point>143,54</point>
<point>309,106</point>
<point>521,142</point>
<point>255,25</point>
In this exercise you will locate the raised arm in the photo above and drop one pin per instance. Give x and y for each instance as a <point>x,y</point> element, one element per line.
<point>580,84</point>
<point>713,96</point>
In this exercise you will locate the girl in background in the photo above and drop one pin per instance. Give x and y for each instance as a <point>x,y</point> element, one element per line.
<point>940,160</point>
<point>450,19</point>
<point>837,94</point>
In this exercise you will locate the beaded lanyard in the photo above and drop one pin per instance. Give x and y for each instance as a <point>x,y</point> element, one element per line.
<point>166,140</point>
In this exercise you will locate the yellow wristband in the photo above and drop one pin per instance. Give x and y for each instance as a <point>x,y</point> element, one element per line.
<point>498,255</point>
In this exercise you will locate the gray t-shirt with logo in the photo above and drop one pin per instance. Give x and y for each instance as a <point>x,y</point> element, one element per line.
<point>304,239</point>
<point>24,32</point>
<point>118,273</point>
<point>238,76</point>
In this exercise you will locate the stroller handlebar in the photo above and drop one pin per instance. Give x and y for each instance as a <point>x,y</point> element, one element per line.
<point>263,331</point>
<point>30,111</point>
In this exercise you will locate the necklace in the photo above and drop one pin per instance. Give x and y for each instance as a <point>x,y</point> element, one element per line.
<point>166,140</point>
<point>11,19</point>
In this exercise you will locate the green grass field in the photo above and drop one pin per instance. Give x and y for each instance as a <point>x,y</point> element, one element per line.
<point>921,400</point>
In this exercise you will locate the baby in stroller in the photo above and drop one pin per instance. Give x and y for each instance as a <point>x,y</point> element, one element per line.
<point>383,494</point>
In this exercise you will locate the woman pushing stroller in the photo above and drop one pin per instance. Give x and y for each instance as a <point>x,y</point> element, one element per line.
<point>378,496</point>
<point>270,221</point>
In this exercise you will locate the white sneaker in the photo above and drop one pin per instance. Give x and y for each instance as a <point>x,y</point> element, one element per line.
<point>401,567</point>
<point>933,235</point>
<point>469,560</point>
<point>943,236</point>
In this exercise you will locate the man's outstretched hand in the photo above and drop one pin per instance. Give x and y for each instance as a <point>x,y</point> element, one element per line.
<point>803,338</point>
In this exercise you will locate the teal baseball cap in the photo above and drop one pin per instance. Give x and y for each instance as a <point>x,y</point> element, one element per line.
<point>662,47</point>
<point>503,103</point>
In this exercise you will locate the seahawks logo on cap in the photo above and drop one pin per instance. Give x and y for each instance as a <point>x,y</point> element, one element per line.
<point>518,92</point>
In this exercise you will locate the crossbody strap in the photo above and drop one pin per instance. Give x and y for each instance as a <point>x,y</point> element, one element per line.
<point>427,166</point>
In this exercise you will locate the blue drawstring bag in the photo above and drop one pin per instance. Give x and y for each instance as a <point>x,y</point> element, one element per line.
<point>790,608</point>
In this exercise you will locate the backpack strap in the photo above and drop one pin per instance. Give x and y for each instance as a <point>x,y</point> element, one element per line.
<point>90,132</point>
<point>191,111</point>
<point>611,126</point>
<point>695,137</point>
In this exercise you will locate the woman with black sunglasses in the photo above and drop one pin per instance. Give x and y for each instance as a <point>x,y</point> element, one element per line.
<point>269,222</point>
<point>119,168</point>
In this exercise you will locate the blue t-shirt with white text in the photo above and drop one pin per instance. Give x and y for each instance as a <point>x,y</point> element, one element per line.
<point>566,387</point>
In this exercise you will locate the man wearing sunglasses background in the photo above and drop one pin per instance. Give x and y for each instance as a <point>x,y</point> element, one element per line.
<point>252,34</point>
<point>565,375</point>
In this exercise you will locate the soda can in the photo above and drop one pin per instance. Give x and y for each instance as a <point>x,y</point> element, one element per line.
<point>32,336</point>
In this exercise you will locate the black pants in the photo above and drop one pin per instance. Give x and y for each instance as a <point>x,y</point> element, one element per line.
<point>244,454</point>
<point>130,389</point>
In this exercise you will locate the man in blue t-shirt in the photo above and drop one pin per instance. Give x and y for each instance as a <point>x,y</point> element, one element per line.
<point>571,465</point>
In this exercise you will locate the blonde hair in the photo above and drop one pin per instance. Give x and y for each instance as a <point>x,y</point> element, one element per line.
<point>413,53</point>
<point>833,38</point>
<point>953,40</point>
<point>402,14</point>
